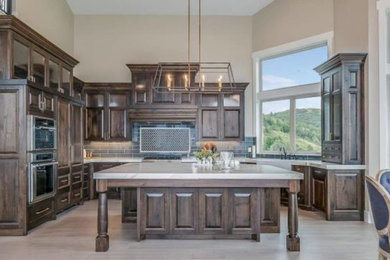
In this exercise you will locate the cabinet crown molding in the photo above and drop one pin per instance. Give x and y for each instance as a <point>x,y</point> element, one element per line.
<point>10,22</point>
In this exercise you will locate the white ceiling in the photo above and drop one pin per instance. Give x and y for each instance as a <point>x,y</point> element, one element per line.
<point>166,7</point>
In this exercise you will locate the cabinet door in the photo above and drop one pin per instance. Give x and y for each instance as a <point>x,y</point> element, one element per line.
<point>154,215</point>
<point>118,102</point>
<point>20,60</point>
<point>319,189</point>
<point>76,134</point>
<point>244,207</point>
<point>94,127</point>
<point>118,124</point>
<point>231,123</point>
<point>49,104</point>
<point>209,128</point>
<point>34,101</point>
<point>184,211</point>
<point>63,133</point>
<point>213,211</point>
<point>38,67</point>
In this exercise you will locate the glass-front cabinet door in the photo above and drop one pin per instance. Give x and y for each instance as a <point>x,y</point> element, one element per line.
<point>20,59</point>
<point>54,78</point>
<point>38,62</point>
<point>327,109</point>
<point>66,82</point>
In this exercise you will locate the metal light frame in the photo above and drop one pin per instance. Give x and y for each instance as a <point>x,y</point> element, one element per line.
<point>193,71</point>
<point>190,70</point>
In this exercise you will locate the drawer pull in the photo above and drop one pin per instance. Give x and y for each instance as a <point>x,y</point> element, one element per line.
<point>42,211</point>
<point>318,171</point>
<point>77,177</point>
<point>64,181</point>
<point>64,200</point>
<point>77,194</point>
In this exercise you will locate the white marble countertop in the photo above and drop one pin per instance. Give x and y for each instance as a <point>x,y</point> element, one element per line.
<point>329,166</point>
<point>275,162</point>
<point>190,171</point>
<point>112,159</point>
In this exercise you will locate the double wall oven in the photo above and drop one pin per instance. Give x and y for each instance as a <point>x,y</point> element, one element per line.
<point>42,158</point>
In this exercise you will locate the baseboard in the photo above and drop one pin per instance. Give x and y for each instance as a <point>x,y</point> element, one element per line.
<point>368,217</point>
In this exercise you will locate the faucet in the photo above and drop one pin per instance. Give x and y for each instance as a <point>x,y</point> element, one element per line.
<point>283,154</point>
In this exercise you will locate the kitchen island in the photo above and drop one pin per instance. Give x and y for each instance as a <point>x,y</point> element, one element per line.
<point>186,201</point>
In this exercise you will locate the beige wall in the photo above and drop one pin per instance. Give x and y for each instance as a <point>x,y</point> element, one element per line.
<point>51,18</point>
<point>104,44</point>
<point>284,21</point>
<point>350,26</point>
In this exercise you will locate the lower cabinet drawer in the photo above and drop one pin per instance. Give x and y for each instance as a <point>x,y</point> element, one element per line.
<point>40,212</point>
<point>77,195</point>
<point>77,177</point>
<point>62,201</point>
<point>63,181</point>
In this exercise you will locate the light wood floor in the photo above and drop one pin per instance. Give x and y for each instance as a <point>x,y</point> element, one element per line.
<point>72,237</point>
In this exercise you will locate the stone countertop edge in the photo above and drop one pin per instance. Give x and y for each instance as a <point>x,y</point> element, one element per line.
<point>180,171</point>
<point>329,166</point>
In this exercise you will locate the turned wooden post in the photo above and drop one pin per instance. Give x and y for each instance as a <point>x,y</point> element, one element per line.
<point>102,239</point>
<point>292,239</point>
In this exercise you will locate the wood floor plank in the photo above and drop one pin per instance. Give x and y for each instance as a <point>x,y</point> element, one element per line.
<point>72,236</point>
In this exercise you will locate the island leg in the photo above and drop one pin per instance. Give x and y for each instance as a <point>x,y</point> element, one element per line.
<point>102,239</point>
<point>293,241</point>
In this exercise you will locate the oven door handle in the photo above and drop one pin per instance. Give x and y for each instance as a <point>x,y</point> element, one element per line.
<point>46,128</point>
<point>44,164</point>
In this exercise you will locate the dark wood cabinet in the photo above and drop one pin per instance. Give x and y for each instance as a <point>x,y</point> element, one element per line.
<point>319,186</point>
<point>25,89</point>
<point>113,193</point>
<point>221,116</point>
<point>107,111</point>
<point>338,193</point>
<point>70,157</point>
<point>63,129</point>
<point>342,84</point>
<point>304,195</point>
<point>87,179</point>
<point>197,212</point>
<point>40,212</point>
<point>76,134</point>
<point>41,103</point>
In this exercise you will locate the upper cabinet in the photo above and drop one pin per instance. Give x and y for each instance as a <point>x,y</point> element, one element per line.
<point>342,87</point>
<point>221,115</point>
<point>25,54</point>
<point>106,112</point>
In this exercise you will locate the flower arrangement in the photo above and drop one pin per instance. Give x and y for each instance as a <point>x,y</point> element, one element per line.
<point>207,154</point>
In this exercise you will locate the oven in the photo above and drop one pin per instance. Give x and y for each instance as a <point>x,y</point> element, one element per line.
<point>42,176</point>
<point>41,134</point>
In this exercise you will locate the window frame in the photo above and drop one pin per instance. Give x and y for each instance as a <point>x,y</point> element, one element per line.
<point>291,93</point>
<point>7,9</point>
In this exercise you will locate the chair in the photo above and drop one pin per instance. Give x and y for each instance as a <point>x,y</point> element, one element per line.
<point>383,177</point>
<point>380,206</point>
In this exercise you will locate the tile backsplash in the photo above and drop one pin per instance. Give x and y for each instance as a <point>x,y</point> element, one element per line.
<point>131,149</point>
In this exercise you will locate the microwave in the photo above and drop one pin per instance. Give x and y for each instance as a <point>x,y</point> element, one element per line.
<point>42,133</point>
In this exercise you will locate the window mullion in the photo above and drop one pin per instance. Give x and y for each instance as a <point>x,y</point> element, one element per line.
<point>292,125</point>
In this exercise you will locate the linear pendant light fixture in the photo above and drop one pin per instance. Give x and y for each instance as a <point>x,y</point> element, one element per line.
<point>182,77</point>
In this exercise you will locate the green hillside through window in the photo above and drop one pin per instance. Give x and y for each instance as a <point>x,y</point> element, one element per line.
<point>308,130</point>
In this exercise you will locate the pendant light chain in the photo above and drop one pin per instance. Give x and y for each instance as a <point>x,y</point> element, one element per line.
<point>188,79</point>
<point>201,80</point>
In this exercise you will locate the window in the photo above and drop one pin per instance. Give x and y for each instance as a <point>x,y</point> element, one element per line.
<point>288,97</point>
<point>308,124</point>
<point>292,69</point>
<point>5,6</point>
<point>276,125</point>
